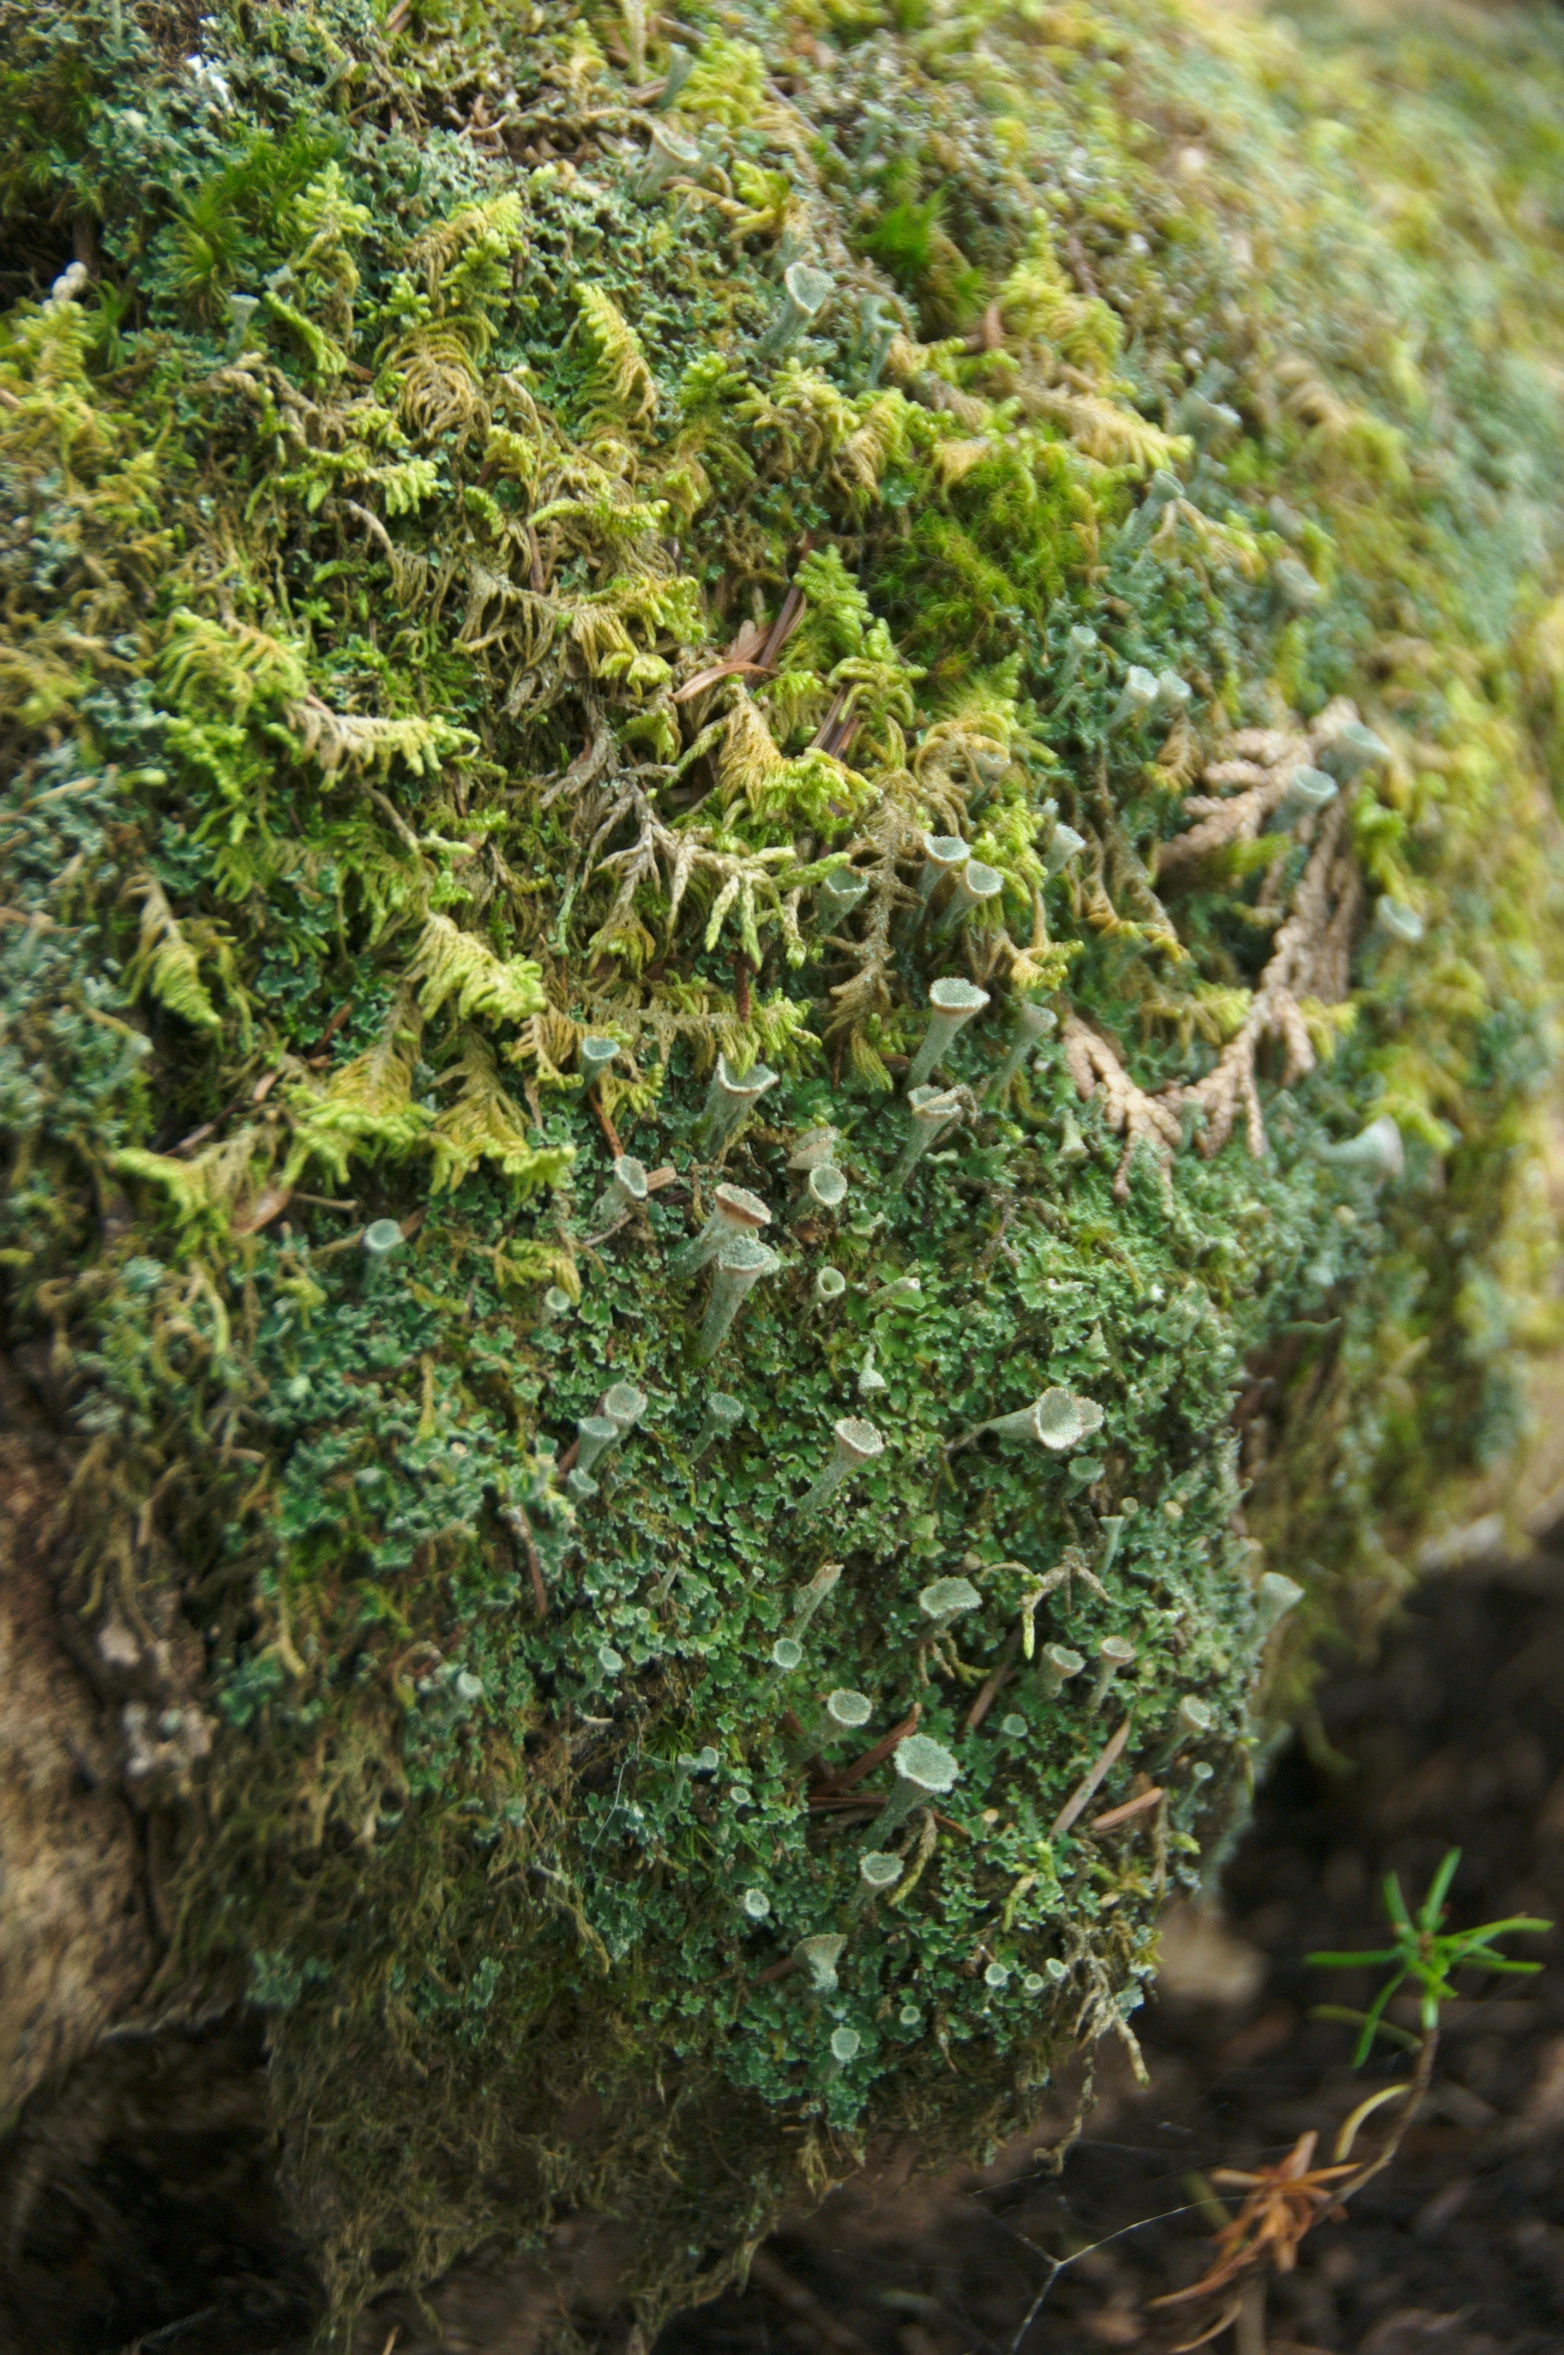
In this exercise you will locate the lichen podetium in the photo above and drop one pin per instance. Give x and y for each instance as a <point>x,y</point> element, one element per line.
<point>538,561</point>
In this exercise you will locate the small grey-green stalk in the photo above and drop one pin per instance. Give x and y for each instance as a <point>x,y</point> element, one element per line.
<point>1192,1721</point>
<point>977,892</point>
<point>952,1004</point>
<point>721,1418</point>
<point>1274,1597</point>
<point>1064,844</point>
<point>595,1435</point>
<point>845,1712</point>
<point>805,293</point>
<point>820,1588</point>
<point>671,155</point>
<point>595,1055</point>
<point>740,1265</point>
<point>1308,792</point>
<point>815,1147</point>
<point>1352,748</point>
<point>380,1239</point>
<point>681,62</point>
<point>1136,698</point>
<point>855,1443</point>
<point>1188,1804</point>
<point>823,1191</point>
<point>943,854</point>
<point>1376,1152</point>
<point>924,1771</point>
<point>1174,696</point>
<point>820,1955</point>
<point>625,1190</point>
<point>731,1098</point>
<point>1113,1653</point>
<point>624,1406</point>
<point>836,896</point>
<point>1033,1024</point>
<point>1056,1664</point>
<point>931,1110</point>
<point>734,1211</point>
<point>945,1600</point>
<point>878,328</point>
<point>1058,1420</point>
<point>1081,641</point>
<point>1394,921</point>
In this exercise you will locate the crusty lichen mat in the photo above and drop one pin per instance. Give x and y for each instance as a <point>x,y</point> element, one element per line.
<point>781,911</point>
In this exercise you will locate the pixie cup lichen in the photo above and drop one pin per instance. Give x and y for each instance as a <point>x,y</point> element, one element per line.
<point>943,855</point>
<point>721,1415</point>
<point>854,1444</point>
<point>930,1112</point>
<point>565,574</point>
<point>1033,1026</point>
<point>805,293</point>
<point>625,1191</point>
<point>731,1099</point>
<point>924,1770</point>
<point>735,1213</point>
<point>952,1005</point>
<point>740,1264</point>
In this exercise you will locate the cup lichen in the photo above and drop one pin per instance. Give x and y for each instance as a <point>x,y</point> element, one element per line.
<point>535,634</point>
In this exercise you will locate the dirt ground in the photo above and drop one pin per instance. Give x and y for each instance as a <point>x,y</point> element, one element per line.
<point>141,2215</point>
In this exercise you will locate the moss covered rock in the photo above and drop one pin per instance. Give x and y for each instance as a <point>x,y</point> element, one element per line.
<point>595,602</point>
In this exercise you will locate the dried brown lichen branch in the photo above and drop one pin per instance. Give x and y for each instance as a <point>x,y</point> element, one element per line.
<point>1308,963</point>
<point>1262,761</point>
<point>1140,1119</point>
<point>1307,971</point>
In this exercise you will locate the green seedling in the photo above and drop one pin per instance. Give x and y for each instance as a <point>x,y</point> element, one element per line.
<point>1426,1956</point>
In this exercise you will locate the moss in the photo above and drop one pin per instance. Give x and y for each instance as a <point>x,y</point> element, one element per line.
<point>452,618</point>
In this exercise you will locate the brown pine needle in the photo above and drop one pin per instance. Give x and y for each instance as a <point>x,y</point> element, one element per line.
<point>1131,1807</point>
<point>1090,1783</point>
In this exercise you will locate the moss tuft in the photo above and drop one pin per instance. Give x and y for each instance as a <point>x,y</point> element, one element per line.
<point>473,596</point>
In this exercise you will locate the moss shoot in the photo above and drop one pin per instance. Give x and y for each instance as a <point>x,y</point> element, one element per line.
<point>780,920</point>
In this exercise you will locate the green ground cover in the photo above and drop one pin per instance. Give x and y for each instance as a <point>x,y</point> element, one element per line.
<point>520,528</point>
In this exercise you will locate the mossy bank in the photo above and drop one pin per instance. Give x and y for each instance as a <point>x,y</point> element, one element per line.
<point>562,572</point>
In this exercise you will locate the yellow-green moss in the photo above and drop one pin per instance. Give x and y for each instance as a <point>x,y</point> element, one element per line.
<point>462,603</point>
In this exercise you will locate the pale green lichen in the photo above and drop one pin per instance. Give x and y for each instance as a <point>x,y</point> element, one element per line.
<point>474,703</point>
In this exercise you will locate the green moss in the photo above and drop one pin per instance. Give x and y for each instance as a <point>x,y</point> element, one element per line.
<point>457,610</point>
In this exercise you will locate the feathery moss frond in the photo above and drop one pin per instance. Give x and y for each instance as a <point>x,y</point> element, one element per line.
<point>166,965</point>
<point>365,1111</point>
<point>482,1124</point>
<point>554,756</point>
<point>623,388</point>
<point>452,963</point>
